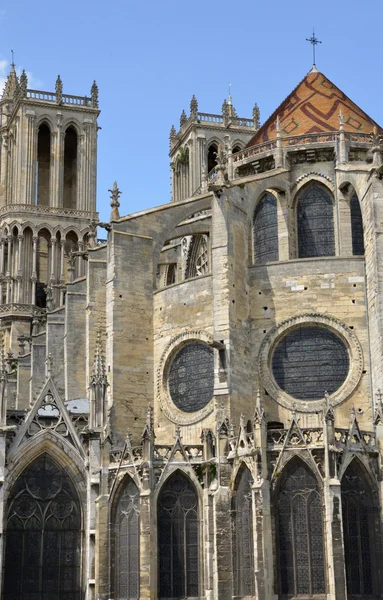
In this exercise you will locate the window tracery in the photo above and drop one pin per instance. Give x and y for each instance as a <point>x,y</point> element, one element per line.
<point>243,533</point>
<point>43,536</point>
<point>265,230</point>
<point>300,533</point>
<point>178,539</point>
<point>315,220</point>
<point>356,227</point>
<point>126,543</point>
<point>198,257</point>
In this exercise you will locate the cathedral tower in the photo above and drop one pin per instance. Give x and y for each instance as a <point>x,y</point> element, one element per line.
<point>48,155</point>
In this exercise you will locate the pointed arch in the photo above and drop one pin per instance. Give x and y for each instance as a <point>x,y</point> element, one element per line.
<point>43,166</point>
<point>70,168</point>
<point>178,538</point>
<point>315,221</point>
<point>125,541</point>
<point>43,534</point>
<point>300,541</point>
<point>197,262</point>
<point>265,230</point>
<point>356,226</point>
<point>360,531</point>
<point>243,533</point>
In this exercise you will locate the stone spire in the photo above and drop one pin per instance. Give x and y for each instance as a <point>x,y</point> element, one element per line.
<point>193,107</point>
<point>3,383</point>
<point>115,204</point>
<point>98,385</point>
<point>183,118</point>
<point>23,84</point>
<point>94,94</point>
<point>256,116</point>
<point>12,86</point>
<point>172,136</point>
<point>59,90</point>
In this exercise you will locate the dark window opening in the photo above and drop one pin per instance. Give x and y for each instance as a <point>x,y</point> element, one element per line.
<point>358,532</point>
<point>178,539</point>
<point>212,157</point>
<point>300,533</point>
<point>125,540</point>
<point>236,149</point>
<point>265,230</point>
<point>315,219</point>
<point>243,533</point>
<point>43,167</point>
<point>70,169</point>
<point>356,227</point>
<point>171,274</point>
<point>43,536</point>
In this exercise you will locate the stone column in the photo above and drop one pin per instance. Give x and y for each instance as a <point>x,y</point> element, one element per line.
<point>34,268</point>
<point>20,239</point>
<point>80,260</point>
<point>8,269</point>
<point>3,169</point>
<point>62,275</point>
<point>223,568</point>
<point>202,169</point>
<point>2,251</point>
<point>53,260</point>
<point>57,179</point>
<point>30,183</point>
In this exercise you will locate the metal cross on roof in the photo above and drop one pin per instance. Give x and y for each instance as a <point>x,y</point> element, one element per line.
<point>314,41</point>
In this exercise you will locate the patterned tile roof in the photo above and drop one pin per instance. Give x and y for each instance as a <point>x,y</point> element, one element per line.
<point>313,107</point>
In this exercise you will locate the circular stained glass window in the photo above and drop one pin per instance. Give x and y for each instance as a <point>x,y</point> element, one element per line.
<point>191,377</point>
<point>309,361</point>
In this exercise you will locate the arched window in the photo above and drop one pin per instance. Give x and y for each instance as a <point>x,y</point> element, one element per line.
<point>265,230</point>
<point>198,257</point>
<point>126,543</point>
<point>300,533</point>
<point>212,157</point>
<point>356,227</point>
<point>315,219</point>
<point>171,274</point>
<point>178,539</point>
<point>243,535</point>
<point>70,169</point>
<point>43,535</point>
<point>236,148</point>
<point>358,531</point>
<point>42,264</point>
<point>43,167</point>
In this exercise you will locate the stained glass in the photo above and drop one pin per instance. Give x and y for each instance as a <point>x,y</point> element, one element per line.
<point>243,533</point>
<point>356,227</point>
<point>265,230</point>
<point>315,220</point>
<point>43,536</point>
<point>178,539</point>
<point>191,377</point>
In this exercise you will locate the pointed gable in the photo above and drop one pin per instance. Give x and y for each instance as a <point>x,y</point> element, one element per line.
<point>313,107</point>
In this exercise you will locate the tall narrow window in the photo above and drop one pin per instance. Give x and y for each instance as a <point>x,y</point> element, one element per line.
<point>43,168</point>
<point>315,220</point>
<point>70,169</point>
<point>198,257</point>
<point>178,539</point>
<point>358,531</point>
<point>212,157</point>
<point>300,533</point>
<point>356,227</point>
<point>126,543</point>
<point>243,534</point>
<point>42,264</point>
<point>43,536</point>
<point>265,230</point>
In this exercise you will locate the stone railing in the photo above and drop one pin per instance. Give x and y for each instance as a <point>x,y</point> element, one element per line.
<point>193,452</point>
<point>309,139</point>
<point>51,210</point>
<point>26,309</point>
<point>211,118</point>
<point>277,437</point>
<point>342,439</point>
<point>66,98</point>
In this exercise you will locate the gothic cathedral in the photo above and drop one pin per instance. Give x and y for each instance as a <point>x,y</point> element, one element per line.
<point>192,406</point>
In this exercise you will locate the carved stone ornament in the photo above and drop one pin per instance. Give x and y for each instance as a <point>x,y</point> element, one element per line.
<point>335,326</point>
<point>173,413</point>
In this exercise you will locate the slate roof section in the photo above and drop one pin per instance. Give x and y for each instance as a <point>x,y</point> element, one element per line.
<point>313,107</point>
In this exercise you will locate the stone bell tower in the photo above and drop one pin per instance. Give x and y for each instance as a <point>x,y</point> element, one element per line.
<point>48,155</point>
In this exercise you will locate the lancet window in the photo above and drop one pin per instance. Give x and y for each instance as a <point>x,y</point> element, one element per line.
<point>265,230</point>
<point>178,539</point>
<point>300,533</point>
<point>356,227</point>
<point>243,535</point>
<point>358,532</point>
<point>198,257</point>
<point>315,221</point>
<point>70,169</point>
<point>126,543</point>
<point>43,535</point>
<point>43,167</point>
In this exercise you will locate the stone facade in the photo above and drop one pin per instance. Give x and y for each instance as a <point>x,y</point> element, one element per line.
<point>180,418</point>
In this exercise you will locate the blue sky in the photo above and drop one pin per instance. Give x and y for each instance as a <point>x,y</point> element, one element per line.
<point>150,57</point>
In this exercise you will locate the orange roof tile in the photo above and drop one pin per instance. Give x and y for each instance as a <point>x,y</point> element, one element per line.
<point>314,107</point>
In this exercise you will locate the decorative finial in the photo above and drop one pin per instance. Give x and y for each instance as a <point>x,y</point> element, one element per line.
<point>98,370</point>
<point>94,94</point>
<point>193,106</point>
<point>225,109</point>
<point>23,84</point>
<point>183,118</point>
<point>49,364</point>
<point>314,41</point>
<point>13,58</point>
<point>115,194</point>
<point>229,96</point>
<point>173,132</point>
<point>59,90</point>
<point>256,116</point>
<point>278,127</point>
<point>178,433</point>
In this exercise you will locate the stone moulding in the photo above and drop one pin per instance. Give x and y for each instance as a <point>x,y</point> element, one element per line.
<point>51,210</point>
<point>334,325</point>
<point>174,414</point>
